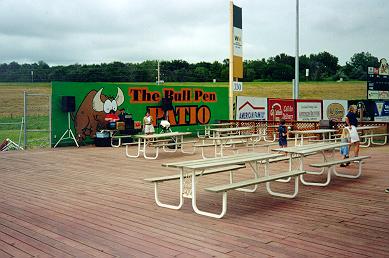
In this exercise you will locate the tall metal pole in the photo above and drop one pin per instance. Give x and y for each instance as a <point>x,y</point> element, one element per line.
<point>50,125</point>
<point>296,60</point>
<point>230,91</point>
<point>25,120</point>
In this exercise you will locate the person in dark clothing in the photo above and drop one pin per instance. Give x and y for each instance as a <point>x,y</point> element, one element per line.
<point>282,134</point>
<point>351,117</point>
<point>352,123</point>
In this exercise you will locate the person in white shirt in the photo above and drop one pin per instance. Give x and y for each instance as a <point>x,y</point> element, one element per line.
<point>148,127</point>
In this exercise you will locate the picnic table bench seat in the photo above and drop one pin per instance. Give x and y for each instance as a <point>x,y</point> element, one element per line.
<point>245,183</point>
<point>374,135</point>
<point>369,139</point>
<point>330,167</point>
<point>337,162</point>
<point>254,181</point>
<point>169,143</point>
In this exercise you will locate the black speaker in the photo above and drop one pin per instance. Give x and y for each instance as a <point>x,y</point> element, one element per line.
<point>68,104</point>
<point>167,104</point>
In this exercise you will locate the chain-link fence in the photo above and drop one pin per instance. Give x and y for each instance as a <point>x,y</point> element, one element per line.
<point>25,115</point>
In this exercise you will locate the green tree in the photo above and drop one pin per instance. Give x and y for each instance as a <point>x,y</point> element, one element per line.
<point>359,62</point>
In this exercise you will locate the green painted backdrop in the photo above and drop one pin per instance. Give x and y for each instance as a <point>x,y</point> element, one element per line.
<point>193,105</point>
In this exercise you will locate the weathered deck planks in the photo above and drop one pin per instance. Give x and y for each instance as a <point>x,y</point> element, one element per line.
<point>93,202</point>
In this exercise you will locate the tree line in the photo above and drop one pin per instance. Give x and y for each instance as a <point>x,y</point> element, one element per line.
<point>322,66</point>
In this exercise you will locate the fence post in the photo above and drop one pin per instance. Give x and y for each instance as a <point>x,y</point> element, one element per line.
<point>25,120</point>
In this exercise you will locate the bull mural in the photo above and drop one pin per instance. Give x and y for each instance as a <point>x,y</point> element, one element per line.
<point>90,116</point>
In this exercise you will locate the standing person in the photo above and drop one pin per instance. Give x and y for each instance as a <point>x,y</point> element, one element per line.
<point>148,127</point>
<point>344,149</point>
<point>352,123</point>
<point>282,134</point>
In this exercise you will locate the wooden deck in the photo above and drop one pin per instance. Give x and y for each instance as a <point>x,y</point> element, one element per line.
<point>93,202</point>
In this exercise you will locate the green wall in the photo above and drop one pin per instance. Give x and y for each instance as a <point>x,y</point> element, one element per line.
<point>193,106</point>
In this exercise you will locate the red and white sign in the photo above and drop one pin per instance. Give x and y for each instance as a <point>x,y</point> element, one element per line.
<point>281,108</point>
<point>251,108</point>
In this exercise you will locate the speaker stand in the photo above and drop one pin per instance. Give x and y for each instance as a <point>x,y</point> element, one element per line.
<point>69,132</point>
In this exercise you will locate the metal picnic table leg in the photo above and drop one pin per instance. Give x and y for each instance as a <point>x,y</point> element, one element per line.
<point>144,151</point>
<point>268,188</point>
<point>328,170</point>
<point>174,207</point>
<point>255,169</point>
<point>205,213</point>
<point>139,150</point>
<point>379,143</point>
<point>182,147</point>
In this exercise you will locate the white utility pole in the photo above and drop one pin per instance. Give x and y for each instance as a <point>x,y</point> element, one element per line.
<point>32,76</point>
<point>296,60</point>
<point>158,72</point>
<point>231,68</point>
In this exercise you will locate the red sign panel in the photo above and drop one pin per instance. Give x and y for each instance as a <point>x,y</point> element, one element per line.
<point>281,108</point>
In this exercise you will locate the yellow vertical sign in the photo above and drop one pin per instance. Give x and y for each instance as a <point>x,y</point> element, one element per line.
<point>237,42</point>
<point>236,53</point>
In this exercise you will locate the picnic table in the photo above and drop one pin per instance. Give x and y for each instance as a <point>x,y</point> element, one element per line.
<point>328,165</point>
<point>301,133</point>
<point>368,135</point>
<point>229,130</point>
<point>207,128</point>
<point>219,143</point>
<point>158,140</point>
<point>193,169</point>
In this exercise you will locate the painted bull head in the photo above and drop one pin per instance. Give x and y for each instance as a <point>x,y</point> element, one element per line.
<point>108,106</point>
<point>91,113</point>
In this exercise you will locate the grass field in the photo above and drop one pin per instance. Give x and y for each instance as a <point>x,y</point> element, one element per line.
<point>11,99</point>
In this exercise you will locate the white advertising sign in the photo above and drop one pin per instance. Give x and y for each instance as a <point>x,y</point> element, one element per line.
<point>308,111</point>
<point>238,42</point>
<point>251,108</point>
<point>335,110</point>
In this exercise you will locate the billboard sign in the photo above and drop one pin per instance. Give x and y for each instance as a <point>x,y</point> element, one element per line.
<point>382,111</point>
<point>251,108</point>
<point>280,108</point>
<point>335,110</point>
<point>378,81</point>
<point>191,105</point>
<point>309,110</point>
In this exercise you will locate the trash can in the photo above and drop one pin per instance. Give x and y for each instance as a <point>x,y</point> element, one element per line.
<point>326,124</point>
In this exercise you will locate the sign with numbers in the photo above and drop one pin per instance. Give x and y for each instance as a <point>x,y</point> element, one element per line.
<point>237,86</point>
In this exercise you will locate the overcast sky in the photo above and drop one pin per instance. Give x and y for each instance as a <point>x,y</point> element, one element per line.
<point>95,31</point>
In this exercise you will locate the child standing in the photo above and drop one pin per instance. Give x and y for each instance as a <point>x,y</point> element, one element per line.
<point>282,134</point>
<point>344,150</point>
